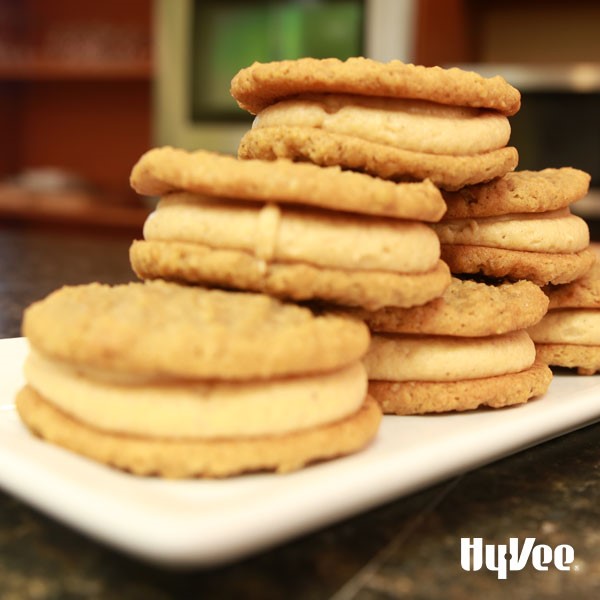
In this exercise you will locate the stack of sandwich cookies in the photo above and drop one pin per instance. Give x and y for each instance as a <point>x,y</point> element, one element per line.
<point>569,334</point>
<point>518,227</point>
<point>182,381</point>
<point>296,231</point>
<point>392,120</point>
<point>467,349</point>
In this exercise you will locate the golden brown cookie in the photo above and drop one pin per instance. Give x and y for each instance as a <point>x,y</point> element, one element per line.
<point>581,293</point>
<point>466,309</point>
<point>163,170</point>
<point>419,397</point>
<point>541,268</point>
<point>519,192</point>
<point>199,264</point>
<point>181,381</point>
<point>262,84</point>
<point>387,162</point>
<point>175,458</point>
<point>586,359</point>
<point>160,328</point>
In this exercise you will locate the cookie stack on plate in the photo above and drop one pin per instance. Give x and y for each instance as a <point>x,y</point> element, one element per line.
<point>171,378</point>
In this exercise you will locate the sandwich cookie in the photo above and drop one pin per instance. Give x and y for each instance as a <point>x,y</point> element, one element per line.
<point>160,379</point>
<point>467,349</point>
<point>518,227</point>
<point>393,120</point>
<point>225,228</point>
<point>569,335</point>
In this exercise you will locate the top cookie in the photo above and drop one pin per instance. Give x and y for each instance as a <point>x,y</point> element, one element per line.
<point>581,293</point>
<point>162,329</point>
<point>262,84</point>
<point>518,192</point>
<point>163,170</point>
<point>466,309</point>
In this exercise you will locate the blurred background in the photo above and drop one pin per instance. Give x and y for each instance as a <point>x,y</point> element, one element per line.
<point>86,88</point>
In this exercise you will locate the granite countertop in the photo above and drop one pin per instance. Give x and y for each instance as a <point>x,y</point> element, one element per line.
<point>409,548</point>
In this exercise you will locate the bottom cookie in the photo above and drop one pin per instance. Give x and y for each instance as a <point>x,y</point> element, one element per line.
<point>541,268</point>
<point>199,264</point>
<point>332,149</point>
<point>586,359</point>
<point>420,397</point>
<point>174,458</point>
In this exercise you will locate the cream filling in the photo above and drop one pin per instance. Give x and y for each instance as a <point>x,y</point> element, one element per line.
<point>556,231</point>
<point>199,410</point>
<point>415,125</point>
<point>439,358</point>
<point>322,239</point>
<point>568,326</point>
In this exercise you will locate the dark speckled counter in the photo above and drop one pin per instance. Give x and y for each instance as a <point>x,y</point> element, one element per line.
<point>407,549</point>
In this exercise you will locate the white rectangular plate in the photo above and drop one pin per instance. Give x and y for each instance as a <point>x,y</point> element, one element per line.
<point>185,523</point>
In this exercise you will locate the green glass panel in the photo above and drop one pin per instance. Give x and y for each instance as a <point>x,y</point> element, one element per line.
<point>228,35</point>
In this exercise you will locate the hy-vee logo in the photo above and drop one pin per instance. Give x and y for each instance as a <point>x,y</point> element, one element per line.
<point>513,557</point>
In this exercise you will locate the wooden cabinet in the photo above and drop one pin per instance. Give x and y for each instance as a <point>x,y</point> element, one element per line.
<point>507,32</point>
<point>75,96</point>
